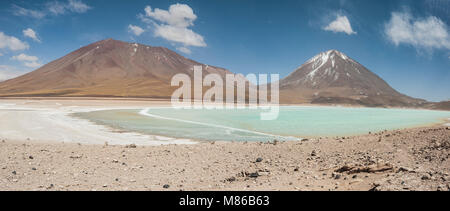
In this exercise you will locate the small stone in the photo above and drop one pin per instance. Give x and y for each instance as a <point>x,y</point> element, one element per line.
<point>131,146</point>
<point>166,186</point>
<point>231,179</point>
<point>34,169</point>
<point>31,157</point>
<point>254,175</point>
<point>14,172</point>
<point>425,177</point>
<point>258,160</point>
<point>335,175</point>
<point>313,153</point>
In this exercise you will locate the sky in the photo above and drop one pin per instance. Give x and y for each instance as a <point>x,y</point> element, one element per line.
<point>405,42</point>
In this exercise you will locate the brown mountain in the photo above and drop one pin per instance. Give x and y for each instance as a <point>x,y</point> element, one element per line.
<point>107,68</point>
<point>334,78</point>
<point>112,68</point>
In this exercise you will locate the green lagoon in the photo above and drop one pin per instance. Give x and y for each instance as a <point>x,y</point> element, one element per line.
<point>294,122</point>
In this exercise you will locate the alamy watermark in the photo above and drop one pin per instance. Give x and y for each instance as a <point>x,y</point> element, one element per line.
<point>236,94</point>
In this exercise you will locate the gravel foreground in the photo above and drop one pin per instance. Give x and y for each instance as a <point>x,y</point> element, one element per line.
<point>410,159</point>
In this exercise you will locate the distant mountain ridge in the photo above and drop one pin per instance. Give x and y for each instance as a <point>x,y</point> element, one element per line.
<point>111,68</point>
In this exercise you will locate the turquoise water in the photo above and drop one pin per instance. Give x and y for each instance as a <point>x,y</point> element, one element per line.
<point>245,124</point>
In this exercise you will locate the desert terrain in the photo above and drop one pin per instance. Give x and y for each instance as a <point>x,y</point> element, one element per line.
<point>92,157</point>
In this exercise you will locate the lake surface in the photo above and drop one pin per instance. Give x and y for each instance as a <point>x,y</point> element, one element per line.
<point>294,122</point>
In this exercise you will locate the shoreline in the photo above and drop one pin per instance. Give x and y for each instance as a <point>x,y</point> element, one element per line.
<point>168,100</point>
<point>29,120</point>
<point>441,122</point>
<point>61,111</point>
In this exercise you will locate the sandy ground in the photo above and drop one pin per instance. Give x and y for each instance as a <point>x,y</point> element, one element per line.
<point>410,159</point>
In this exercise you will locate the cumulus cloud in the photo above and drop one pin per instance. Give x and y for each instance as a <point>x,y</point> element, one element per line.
<point>33,65</point>
<point>179,15</point>
<point>341,24</point>
<point>423,33</point>
<point>53,8</point>
<point>184,50</point>
<point>173,25</point>
<point>181,35</point>
<point>31,34</point>
<point>25,58</point>
<point>28,61</point>
<point>12,43</point>
<point>136,30</point>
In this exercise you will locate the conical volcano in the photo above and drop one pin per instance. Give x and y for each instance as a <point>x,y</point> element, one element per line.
<point>332,77</point>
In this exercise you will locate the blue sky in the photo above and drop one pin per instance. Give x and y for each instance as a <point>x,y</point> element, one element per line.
<point>406,42</point>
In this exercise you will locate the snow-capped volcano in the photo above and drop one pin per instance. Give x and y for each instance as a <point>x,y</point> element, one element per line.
<point>333,77</point>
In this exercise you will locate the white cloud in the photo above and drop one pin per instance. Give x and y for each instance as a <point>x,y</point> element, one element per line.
<point>184,50</point>
<point>28,61</point>
<point>341,24</point>
<point>173,25</point>
<point>31,34</point>
<point>20,11</point>
<point>53,8</point>
<point>32,64</point>
<point>12,43</point>
<point>181,35</point>
<point>136,30</point>
<point>56,8</point>
<point>77,6</point>
<point>422,33</point>
<point>179,15</point>
<point>8,72</point>
<point>25,58</point>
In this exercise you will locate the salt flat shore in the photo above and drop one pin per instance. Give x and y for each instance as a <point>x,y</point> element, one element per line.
<point>50,121</point>
<point>409,159</point>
